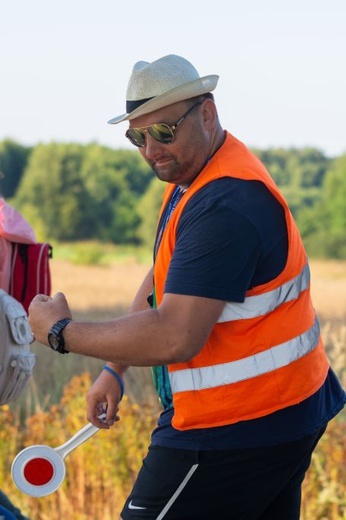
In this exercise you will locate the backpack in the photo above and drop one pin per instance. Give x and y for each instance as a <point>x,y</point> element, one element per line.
<point>17,361</point>
<point>30,271</point>
<point>24,264</point>
<point>13,228</point>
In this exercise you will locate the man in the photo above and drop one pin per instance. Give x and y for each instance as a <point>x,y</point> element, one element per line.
<point>224,317</point>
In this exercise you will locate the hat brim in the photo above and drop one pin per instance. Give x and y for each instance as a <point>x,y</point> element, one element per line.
<point>186,91</point>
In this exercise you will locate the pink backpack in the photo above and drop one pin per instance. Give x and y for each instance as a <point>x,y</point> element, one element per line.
<point>13,228</point>
<point>24,263</point>
<point>30,272</point>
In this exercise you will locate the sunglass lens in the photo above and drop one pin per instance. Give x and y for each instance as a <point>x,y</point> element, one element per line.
<point>136,136</point>
<point>161,133</point>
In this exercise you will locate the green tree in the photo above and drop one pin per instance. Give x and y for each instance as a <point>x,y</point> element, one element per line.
<point>51,192</point>
<point>275,160</point>
<point>294,167</point>
<point>13,160</point>
<point>74,192</point>
<point>135,170</point>
<point>334,195</point>
<point>323,226</point>
<point>149,208</point>
<point>105,174</point>
<point>298,172</point>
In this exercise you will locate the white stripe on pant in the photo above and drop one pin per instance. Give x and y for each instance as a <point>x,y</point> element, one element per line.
<point>177,493</point>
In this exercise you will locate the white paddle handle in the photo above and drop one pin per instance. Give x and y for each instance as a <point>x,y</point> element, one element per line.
<point>81,436</point>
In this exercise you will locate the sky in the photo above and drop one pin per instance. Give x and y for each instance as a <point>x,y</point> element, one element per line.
<point>65,65</point>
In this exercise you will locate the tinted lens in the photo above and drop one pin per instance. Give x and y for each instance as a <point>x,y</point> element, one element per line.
<point>161,133</point>
<point>136,136</point>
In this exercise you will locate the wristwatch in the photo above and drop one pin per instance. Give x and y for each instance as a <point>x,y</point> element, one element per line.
<point>56,339</point>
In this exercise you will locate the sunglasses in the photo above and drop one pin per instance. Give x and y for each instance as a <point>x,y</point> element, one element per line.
<point>160,132</point>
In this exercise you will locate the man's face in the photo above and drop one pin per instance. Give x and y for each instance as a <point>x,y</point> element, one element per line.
<point>180,161</point>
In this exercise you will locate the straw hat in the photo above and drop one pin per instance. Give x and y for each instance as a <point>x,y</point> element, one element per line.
<point>161,83</point>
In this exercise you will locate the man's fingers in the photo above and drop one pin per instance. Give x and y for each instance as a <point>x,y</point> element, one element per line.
<point>112,410</point>
<point>95,409</point>
<point>41,298</point>
<point>96,413</point>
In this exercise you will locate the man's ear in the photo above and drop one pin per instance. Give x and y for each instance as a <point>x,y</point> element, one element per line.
<point>209,114</point>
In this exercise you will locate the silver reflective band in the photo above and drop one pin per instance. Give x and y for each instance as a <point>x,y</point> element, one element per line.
<point>254,306</point>
<point>247,368</point>
<point>177,492</point>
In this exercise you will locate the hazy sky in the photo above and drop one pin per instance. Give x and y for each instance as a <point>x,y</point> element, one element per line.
<point>65,64</point>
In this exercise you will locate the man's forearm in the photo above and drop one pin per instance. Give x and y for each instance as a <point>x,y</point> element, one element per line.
<point>129,340</point>
<point>174,332</point>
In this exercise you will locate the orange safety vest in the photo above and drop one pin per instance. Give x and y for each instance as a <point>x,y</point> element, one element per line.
<point>264,354</point>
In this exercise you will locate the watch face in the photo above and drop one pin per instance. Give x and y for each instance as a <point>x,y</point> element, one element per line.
<point>53,341</point>
<point>55,337</point>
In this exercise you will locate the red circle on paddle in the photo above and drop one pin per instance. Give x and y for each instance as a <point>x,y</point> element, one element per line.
<point>38,471</point>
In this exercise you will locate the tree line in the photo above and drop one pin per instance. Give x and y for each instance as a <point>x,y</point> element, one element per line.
<point>71,192</point>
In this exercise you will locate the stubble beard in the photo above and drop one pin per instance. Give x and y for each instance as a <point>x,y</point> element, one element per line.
<point>176,172</point>
<point>167,174</point>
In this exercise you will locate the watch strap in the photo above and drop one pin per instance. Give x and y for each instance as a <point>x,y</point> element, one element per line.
<point>56,331</point>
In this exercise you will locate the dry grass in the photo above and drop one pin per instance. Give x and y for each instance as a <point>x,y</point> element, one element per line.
<point>97,287</point>
<point>328,287</point>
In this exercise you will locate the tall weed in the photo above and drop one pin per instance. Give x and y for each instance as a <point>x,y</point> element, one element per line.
<point>99,473</point>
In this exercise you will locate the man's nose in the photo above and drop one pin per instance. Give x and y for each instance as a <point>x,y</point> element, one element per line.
<point>151,146</point>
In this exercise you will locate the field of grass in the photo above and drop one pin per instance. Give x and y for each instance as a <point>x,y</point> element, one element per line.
<point>97,288</point>
<point>110,286</point>
<point>105,467</point>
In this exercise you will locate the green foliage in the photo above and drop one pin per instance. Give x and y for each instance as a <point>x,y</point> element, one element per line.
<point>94,252</point>
<point>13,160</point>
<point>315,188</point>
<point>85,253</point>
<point>137,173</point>
<point>323,226</point>
<point>298,172</point>
<point>149,208</point>
<point>75,192</point>
<point>304,168</point>
<point>334,194</point>
<point>52,189</point>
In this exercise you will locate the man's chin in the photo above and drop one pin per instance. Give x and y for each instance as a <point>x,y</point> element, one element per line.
<point>166,174</point>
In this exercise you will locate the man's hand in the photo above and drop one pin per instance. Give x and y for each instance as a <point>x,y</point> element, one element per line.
<point>44,312</point>
<point>104,393</point>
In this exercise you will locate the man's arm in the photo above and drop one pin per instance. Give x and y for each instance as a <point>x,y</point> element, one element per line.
<point>174,332</point>
<point>106,388</point>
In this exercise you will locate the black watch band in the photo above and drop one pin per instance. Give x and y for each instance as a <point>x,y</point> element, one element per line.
<point>55,337</point>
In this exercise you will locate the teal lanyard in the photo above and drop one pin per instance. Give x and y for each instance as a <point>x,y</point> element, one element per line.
<point>176,196</point>
<point>160,373</point>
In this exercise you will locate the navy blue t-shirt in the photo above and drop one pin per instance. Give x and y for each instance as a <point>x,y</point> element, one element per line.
<point>231,237</point>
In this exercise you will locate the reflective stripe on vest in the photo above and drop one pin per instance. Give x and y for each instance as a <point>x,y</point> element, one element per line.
<point>267,361</point>
<point>254,306</point>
